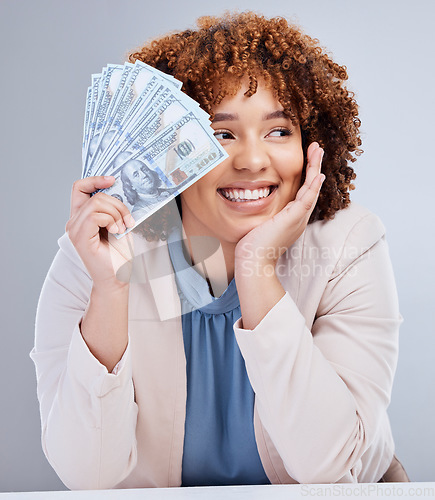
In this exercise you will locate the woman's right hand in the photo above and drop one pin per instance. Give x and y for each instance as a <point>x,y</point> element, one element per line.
<point>93,221</point>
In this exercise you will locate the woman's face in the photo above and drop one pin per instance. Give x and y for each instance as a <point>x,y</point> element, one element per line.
<point>260,176</point>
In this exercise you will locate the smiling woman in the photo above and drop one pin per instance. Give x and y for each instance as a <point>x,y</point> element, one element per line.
<point>267,356</point>
<point>265,153</point>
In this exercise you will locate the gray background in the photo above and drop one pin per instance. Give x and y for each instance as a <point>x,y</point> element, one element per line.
<point>48,51</point>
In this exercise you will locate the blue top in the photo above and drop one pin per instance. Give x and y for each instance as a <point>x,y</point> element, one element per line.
<point>219,442</point>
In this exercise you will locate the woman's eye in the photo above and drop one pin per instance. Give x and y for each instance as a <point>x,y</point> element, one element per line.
<point>223,135</point>
<point>280,132</point>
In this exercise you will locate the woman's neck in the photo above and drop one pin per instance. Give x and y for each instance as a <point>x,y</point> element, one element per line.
<point>213,259</point>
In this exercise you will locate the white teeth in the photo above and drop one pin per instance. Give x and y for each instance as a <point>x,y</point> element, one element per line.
<point>245,194</point>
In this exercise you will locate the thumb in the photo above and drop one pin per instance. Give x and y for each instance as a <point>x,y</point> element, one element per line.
<point>83,188</point>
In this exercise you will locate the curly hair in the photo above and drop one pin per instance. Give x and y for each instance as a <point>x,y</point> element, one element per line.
<point>212,60</point>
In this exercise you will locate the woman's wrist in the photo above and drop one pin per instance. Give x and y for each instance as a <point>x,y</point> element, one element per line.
<point>259,290</point>
<point>104,326</point>
<point>253,269</point>
<point>109,288</point>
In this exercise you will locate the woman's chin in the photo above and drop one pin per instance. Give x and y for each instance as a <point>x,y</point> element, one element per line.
<point>238,233</point>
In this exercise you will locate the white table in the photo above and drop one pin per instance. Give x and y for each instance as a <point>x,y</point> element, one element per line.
<point>396,491</point>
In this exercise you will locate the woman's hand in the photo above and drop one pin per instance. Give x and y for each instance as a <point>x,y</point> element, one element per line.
<point>92,223</point>
<point>264,244</point>
<point>257,253</point>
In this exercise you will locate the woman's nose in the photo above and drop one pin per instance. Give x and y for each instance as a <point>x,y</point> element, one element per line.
<point>251,155</point>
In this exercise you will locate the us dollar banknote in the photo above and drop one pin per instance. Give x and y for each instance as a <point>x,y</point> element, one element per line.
<point>153,138</point>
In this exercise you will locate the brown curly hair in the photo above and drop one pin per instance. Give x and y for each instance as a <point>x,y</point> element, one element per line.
<point>212,60</point>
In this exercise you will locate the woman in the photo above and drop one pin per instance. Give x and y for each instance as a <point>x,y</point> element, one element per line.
<point>270,360</point>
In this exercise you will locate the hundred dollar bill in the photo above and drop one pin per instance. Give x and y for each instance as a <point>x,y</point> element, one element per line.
<point>141,90</point>
<point>174,160</point>
<point>107,87</point>
<point>122,120</point>
<point>86,125</point>
<point>125,134</point>
<point>95,81</point>
<point>120,107</point>
<point>169,78</point>
<point>132,98</point>
<point>165,109</point>
<point>115,109</point>
<point>115,85</point>
<point>138,106</point>
<point>137,89</point>
<point>179,142</point>
<point>142,79</point>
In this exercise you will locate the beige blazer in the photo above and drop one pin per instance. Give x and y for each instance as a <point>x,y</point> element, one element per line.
<point>321,364</point>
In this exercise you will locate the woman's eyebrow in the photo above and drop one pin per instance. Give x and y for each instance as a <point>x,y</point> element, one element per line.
<point>275,114</point>
<point>223,117</point>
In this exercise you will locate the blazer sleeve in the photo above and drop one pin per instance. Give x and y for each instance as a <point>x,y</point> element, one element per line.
<point>88,415</point>
<point>322,394</point>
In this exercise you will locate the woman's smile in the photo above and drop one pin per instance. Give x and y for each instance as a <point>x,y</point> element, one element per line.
<point>248,200</point>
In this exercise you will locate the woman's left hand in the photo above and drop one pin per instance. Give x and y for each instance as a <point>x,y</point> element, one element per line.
<point>262,246</point>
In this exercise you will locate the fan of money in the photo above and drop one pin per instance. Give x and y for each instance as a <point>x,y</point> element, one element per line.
<point>142,129</point>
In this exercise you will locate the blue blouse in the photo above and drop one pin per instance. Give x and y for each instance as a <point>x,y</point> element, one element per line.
<point>219,442</point>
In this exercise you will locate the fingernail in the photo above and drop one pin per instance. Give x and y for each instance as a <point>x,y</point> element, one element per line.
<point>121,227</point>
<point>108,177</point>
<point>113,229</point>
<point>129,221</point>
<point>323,152</point>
